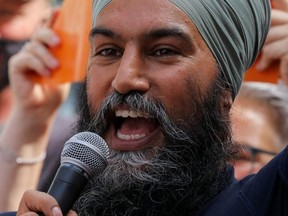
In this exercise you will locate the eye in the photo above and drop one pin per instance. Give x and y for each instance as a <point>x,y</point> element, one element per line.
<point>109,52</point>
<point>245,155</point>
<point>164,52</point>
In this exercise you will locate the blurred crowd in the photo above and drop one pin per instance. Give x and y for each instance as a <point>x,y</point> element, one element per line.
<point>259,115</point>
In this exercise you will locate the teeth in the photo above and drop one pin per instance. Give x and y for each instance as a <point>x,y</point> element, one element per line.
<point>131,114</point>
<point>130,137</point>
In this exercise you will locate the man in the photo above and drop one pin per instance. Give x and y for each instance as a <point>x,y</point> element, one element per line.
<point>161,79</point>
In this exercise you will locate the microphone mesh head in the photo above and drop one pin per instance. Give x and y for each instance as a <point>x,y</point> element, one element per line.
<point>86,150</point>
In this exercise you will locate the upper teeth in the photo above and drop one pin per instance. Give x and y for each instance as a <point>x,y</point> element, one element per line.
<point>130,113</point>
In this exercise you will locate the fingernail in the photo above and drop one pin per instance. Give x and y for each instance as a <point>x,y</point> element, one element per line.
<point>56,211</point>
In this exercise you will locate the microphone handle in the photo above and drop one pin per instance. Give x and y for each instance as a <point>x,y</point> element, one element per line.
<point>67,185</point>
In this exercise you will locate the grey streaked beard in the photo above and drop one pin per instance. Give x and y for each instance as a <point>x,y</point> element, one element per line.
<point>173,180</point>
<point>125,167</point>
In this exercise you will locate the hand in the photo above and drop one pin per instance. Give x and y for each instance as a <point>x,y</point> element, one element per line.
<point>276,45</point>
<point>35,57</point>
<point>35,201</point>
<point>280,4</point>
<point>28,128</point>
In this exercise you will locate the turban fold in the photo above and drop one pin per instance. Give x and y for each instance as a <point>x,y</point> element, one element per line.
<point>234,31</point>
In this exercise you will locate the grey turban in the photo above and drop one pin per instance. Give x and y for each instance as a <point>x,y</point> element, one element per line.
<point>234,30</point>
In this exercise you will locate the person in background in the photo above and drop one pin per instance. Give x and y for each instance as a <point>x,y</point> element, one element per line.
<point>21,161</point>
<point>161,79</point>
<point>260,124</point>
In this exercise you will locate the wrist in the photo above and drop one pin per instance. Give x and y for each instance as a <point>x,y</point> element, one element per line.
<point>10,156</point>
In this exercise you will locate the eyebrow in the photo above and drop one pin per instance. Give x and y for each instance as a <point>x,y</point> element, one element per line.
<point>152,34</point>
<point>104,32</point>
<point>169,32</point>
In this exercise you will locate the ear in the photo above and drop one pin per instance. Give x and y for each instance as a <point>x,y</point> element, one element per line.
<point>227,101</point>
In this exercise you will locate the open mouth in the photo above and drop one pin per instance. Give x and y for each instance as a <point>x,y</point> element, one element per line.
<point>133,129</point>
<point>134,125</point>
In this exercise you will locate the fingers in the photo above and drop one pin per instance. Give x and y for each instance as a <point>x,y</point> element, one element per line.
<point>35,55</point>
<point>278,17</point>
<point>35,201</point>
<point>273,51</point>
<point>276,45</point>
<point>72,213</point>
<point>276,51</point>
<point>35,58</point>
<point>280,4</point>
<point>277,33</point>
<point>38,47</point>
<point>43,56</point>
<point>47,37</point>
<point>22,63</point>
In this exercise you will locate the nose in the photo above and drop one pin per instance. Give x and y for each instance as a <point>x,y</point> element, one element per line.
<point>132,73</point>
<point>242,169</point>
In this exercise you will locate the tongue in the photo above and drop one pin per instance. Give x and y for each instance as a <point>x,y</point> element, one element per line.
<point>137,126</point>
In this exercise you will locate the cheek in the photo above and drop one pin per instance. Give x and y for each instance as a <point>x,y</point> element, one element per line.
<point>98,85</point>
<point>172,90</point>
<point>181,88</point>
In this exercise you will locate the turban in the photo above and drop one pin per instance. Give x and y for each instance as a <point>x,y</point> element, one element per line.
<point>234,31</point>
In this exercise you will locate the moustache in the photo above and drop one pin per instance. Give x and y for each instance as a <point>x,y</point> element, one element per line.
<point>135,101</point>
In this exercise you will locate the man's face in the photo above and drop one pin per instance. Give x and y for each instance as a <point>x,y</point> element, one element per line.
<point>149,47</point>
<point>153,93</point>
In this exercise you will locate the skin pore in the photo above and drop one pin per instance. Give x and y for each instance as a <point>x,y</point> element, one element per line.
<point>137,72</point>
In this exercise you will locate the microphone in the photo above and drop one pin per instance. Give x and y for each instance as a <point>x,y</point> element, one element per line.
<point>83,156</point>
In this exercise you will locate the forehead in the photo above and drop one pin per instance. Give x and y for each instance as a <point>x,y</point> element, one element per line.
<point>141,16</point>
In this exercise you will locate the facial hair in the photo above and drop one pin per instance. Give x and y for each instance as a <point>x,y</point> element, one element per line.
<point>177,179</point>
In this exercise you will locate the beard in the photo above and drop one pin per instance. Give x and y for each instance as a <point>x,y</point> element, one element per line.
<point>176,179</point>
